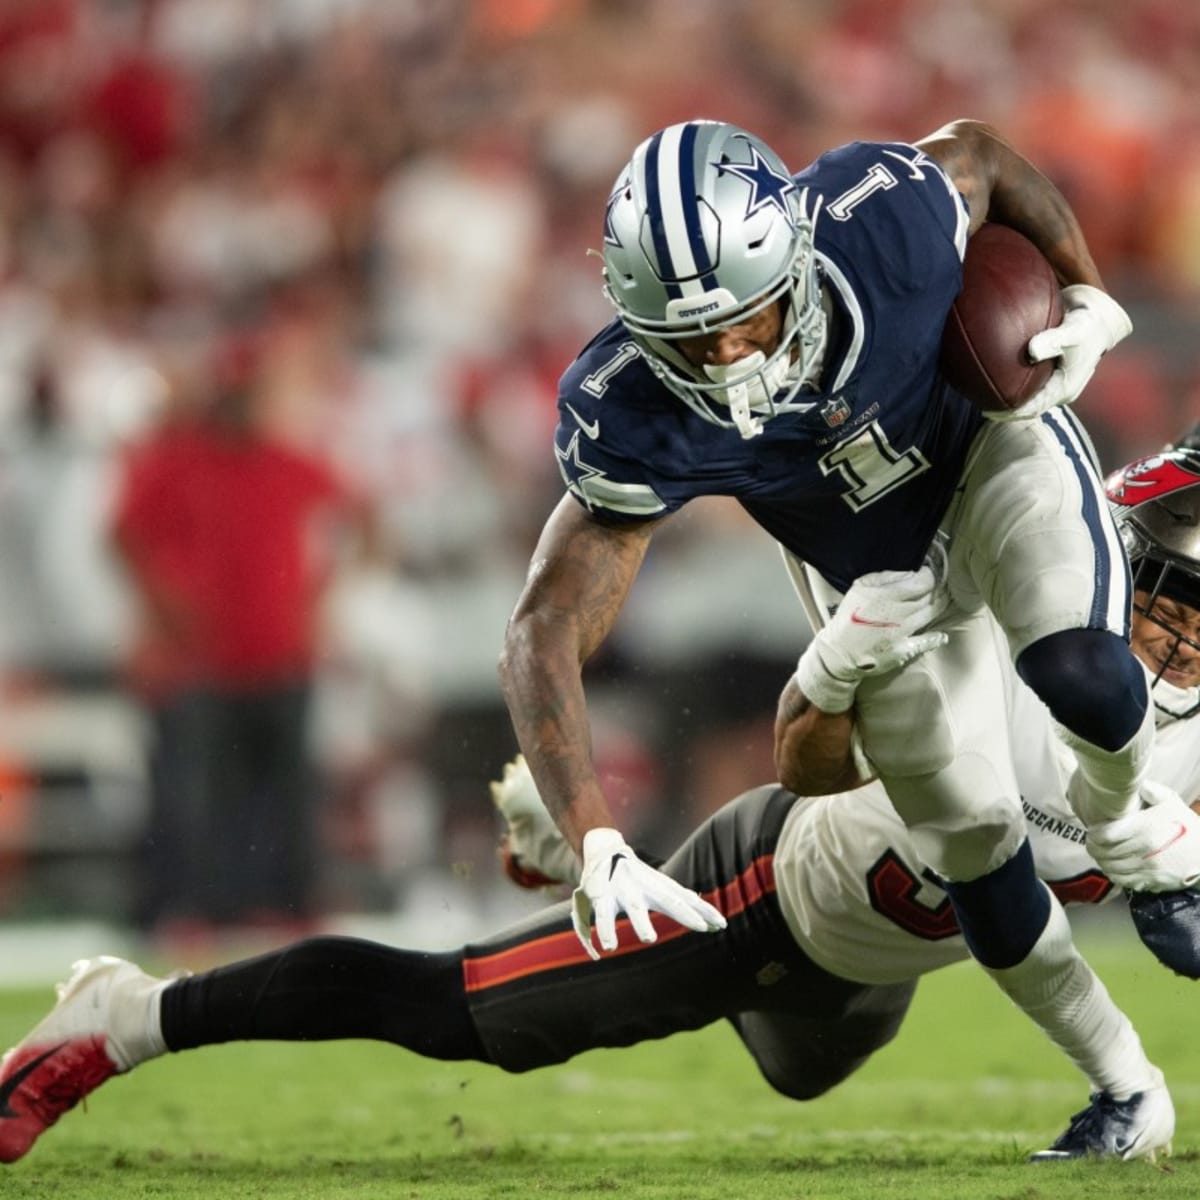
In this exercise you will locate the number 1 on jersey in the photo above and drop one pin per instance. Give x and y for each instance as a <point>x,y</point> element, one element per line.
<point>871,465</point>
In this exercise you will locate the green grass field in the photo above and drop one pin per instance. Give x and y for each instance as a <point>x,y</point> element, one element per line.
<point>948,1111</point>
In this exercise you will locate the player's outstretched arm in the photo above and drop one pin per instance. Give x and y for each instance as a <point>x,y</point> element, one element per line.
<point>578,580</point>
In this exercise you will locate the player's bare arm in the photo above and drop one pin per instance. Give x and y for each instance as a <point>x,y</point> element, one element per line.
<point>1001,185</point>
<point>813,755</point>
<point>579,577</point>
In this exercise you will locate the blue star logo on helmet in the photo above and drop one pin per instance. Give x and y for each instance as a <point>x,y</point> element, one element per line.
<point>767,185</point>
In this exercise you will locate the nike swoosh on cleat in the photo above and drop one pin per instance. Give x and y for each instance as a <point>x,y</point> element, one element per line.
<point>855,619</point>
<point>1180,832</point>
<point>592,429</point>
<point>17,1078</point>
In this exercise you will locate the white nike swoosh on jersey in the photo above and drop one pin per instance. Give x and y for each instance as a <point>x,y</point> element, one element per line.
<point>592,430</point>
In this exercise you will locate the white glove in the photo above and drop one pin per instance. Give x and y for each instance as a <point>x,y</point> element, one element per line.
<point>875,630</point>
<point>534,852</point>
<point>1155,849</point>
<point>1093,323</point>
<point>615,880</point>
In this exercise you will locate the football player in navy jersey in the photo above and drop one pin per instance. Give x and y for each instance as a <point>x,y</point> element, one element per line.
<point>776,340</point>
<point>831,915</point>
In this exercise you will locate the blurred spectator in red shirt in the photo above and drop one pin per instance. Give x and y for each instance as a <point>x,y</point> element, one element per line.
<point>219,524</point>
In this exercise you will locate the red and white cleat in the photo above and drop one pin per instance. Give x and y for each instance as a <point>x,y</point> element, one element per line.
<point>105,1022</point>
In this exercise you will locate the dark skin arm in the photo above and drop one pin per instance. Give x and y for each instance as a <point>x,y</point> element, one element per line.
<point>812,747</point>
<point>1000,185</point>
<point>578,580</point>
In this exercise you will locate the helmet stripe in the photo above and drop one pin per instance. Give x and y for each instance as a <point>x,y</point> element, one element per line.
<point>674,214</point>
<point>654,210</point>
<point>690,191</point>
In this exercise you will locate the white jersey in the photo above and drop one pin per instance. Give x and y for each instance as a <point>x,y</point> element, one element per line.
<point>860,902</point>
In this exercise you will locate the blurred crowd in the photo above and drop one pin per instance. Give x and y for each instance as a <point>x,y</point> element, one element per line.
<point>364,224</point>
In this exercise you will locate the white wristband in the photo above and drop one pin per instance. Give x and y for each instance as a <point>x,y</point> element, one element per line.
<point>829,694</point>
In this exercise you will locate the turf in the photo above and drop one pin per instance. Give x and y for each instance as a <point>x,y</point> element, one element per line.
<point>948,1112</point>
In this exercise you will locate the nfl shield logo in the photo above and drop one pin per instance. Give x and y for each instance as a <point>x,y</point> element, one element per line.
<point>835,410</point>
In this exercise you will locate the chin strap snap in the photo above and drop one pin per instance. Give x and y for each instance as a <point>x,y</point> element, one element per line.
<point>738,399</point>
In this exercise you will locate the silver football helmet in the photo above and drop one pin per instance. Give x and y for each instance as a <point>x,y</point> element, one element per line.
<point>1156,502</point>
<point>704,229</point>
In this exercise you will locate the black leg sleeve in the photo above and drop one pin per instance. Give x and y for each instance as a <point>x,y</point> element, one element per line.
<point>325,988</point>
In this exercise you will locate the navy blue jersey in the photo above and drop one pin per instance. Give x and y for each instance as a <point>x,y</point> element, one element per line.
<point>858,483</point>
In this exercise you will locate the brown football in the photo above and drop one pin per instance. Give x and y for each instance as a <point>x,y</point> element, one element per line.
<point>1009,293</point>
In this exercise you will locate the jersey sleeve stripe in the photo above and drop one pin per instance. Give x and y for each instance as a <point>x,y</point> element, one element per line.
<point>629,499</point>
<point>962,222</point>
<point>962,215</point>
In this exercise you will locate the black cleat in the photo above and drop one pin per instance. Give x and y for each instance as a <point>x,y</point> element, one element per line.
<point>1138,1127</point>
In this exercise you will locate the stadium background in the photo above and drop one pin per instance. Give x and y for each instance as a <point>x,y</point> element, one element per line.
<point>391,201</point>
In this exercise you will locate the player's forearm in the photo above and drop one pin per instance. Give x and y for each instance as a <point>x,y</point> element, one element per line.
<point>813,749</point>
<point>578,579</point>
<point>542,686</point>
<point>1001,185</point>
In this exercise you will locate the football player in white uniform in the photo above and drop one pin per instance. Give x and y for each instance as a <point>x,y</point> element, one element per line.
<point>830,917</point>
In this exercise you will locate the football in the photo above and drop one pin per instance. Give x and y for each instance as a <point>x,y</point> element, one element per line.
<point>1009,293</point>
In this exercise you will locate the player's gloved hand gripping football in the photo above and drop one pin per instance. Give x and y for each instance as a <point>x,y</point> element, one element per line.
<point>1093,323</point>
<point>615,880</point>
<point>1155,849</point>
<point>876,629</point>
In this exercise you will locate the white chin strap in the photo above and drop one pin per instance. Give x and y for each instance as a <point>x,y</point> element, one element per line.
<point>752,383</point>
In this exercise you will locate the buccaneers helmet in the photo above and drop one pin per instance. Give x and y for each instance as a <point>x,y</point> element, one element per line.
<point>1156,502</point>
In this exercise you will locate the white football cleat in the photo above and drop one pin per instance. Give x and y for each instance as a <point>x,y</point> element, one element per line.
<point>1139,1127</point>
<point>534,852</point>
<point>105,1021</point>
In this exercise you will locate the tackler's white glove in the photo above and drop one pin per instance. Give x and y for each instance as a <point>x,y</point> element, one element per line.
<point>876,629</point>
<point>1155,849</point>
<point>615,880</point>
<point>1093,323</point>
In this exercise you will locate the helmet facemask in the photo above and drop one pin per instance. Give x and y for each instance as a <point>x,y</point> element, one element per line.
<point>735,252</point>
<point>1156,504</point>
<point>1159,578</point>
